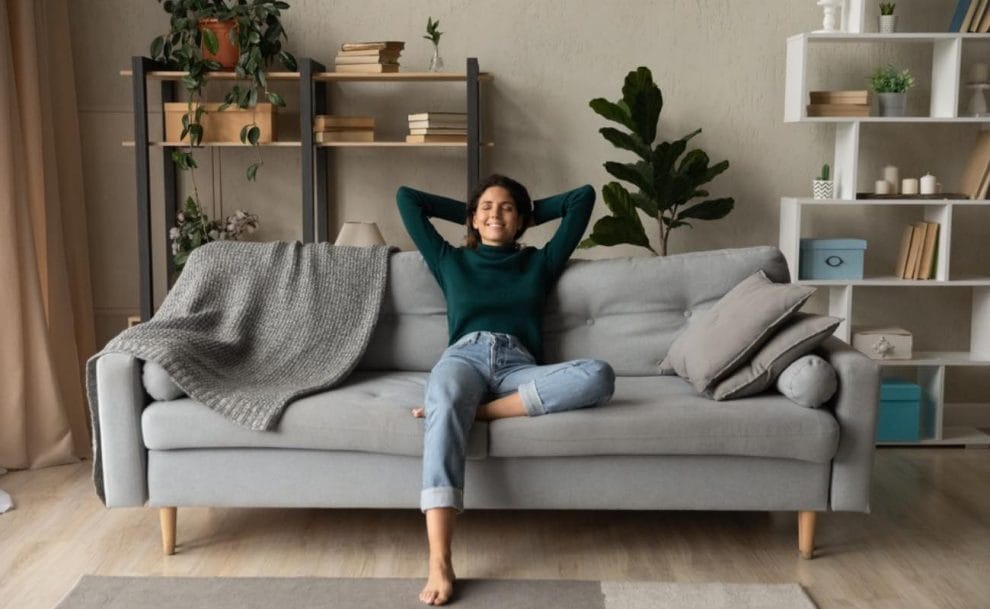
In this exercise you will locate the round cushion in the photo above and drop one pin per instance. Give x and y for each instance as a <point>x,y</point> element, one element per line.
<point>809,381</point>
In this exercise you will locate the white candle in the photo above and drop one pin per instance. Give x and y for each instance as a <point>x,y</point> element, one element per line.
<point>882,187</point>
<point>909,186</point>
<point>928,184</point>
<point>979,73</point>
<point>892,175</point>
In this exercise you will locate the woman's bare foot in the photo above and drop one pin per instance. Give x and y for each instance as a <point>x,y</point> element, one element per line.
<point>440,584</point>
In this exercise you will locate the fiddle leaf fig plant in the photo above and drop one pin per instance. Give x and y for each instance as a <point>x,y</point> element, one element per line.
<point>666,177</point>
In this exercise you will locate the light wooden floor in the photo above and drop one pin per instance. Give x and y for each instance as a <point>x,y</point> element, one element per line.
<point>926,544</point>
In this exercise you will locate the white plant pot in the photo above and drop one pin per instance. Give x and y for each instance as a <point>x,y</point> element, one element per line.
<point>823,189</point>
<point>888,24</point>
<point>892,104</point>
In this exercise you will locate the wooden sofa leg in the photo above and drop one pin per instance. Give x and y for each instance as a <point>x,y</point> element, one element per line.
<point>167,517</point>
<point>806,534</point>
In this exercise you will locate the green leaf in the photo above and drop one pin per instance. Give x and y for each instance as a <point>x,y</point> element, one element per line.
<point>712,209</point>
<point>210,40</point>
<point>223,106</point>
<point>612,112</point>
<point>254,134</point>
<point>157,46</point>
<point>288,60</point>
<point>282,5</point>
<point>647,204</point>
<point>627,141</point>
<point>252,97</point>
<point>252,171</point>
<point>244,134</point>
<point>614,231</point>
<point>276,99</point>
<point>638,174</point>
<point>618,201</point>
<point>645,101</point>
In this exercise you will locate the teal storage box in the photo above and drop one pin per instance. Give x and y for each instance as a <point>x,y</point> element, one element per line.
<point>900,412</point>
<point>831,259</point>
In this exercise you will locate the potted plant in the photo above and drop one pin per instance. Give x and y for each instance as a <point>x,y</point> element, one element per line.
<point>193,45</point>
<point>891,85</point>
<point>433,35</point>
<point>666,178</point>
<point>195,228</point>
<point>888,20</point>
<point>822,187</point>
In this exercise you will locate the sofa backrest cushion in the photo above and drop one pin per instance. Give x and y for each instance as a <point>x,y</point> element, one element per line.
<point>625,311</point>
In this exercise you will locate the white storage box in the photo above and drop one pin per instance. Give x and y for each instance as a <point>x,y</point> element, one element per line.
<point>883,343</point>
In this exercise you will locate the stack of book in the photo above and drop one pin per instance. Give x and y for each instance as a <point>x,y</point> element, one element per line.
<point>448,127</point>
<point>971,16</point>
<point>918,256</point>
<point>330,128</point>
<point>369,57</point>
<point>839,103</point>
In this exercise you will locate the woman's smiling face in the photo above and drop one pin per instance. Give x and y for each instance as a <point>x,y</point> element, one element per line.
<point>496,219</point>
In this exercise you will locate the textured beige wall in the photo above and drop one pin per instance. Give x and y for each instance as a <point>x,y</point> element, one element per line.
<point>720,64</point>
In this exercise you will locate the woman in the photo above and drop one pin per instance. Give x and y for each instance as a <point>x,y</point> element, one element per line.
<point>495,291</point>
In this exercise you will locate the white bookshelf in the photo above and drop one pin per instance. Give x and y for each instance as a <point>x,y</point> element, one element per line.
<point>943,106</point>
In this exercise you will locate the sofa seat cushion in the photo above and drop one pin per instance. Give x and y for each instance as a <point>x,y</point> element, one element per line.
<point>369,412</point>
<point>664,415</point>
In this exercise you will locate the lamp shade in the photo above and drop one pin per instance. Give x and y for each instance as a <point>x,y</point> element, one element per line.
<point>360,234</point>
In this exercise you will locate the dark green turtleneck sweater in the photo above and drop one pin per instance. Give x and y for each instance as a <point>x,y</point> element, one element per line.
<point>496,289</point>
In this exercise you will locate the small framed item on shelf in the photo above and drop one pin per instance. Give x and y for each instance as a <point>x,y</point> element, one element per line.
<point>899,419</point>
<point>883,343</point>
<point>832,258</point>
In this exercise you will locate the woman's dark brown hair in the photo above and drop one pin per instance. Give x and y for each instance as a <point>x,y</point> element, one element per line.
<point>519,194</point>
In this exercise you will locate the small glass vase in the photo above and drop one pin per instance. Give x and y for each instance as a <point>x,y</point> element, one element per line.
<point>436,62</point>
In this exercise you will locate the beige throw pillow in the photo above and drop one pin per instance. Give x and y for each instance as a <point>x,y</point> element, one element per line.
<point>728,333</point>
<point>797,336</point>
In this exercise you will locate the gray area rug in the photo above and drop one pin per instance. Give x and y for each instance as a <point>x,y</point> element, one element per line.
<point>97,592</point>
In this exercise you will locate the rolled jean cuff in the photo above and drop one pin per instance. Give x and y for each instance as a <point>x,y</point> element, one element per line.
<point>531,399</point>
<point>441,497</point>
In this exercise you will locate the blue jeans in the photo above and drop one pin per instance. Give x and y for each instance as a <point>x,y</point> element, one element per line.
<point>486,365</point>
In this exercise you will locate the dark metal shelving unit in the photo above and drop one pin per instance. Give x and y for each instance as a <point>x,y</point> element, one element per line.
<point>314,203</point>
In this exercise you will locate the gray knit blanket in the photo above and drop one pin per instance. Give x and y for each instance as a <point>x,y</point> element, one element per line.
<point>249,327</point>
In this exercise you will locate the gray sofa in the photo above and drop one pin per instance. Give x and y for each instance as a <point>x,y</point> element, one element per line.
<point>658,445</point>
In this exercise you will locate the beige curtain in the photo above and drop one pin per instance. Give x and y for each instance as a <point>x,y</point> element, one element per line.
<point>46,311</point>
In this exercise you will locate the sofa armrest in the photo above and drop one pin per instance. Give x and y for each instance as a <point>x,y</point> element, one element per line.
<point>121,400</point>
<point>855,407</point>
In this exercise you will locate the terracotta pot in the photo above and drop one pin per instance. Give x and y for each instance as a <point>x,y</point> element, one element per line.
<point>227,52</point>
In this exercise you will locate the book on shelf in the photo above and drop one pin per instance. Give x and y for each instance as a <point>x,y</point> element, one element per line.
<point>964,26</point>
<point>439,116</point>
<point>365,60</point>
<point>859,96</point>
<point>976,167</point>
<point>926,267</point>
<point>436,131</point>
<point>902,256</point>
<point>959,15</point>
<point>917,244</point>
<point>368,68</point>
<point>428,139</point>
<point>838,110</point>
<point>438,124</point>
<point>376,53</point>
<point>325,122</point>
<point>984,25</point>
<point>974,24</point>
<point>391,45</point>
<point>351,135</point>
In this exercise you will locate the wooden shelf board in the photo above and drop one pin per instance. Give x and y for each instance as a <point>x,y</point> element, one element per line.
<point>328,76</point>
<point>951,436</point>
<point>891,281</point>
<point>938,358</point>
<point>130,144</point>
<point>398,145</point>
